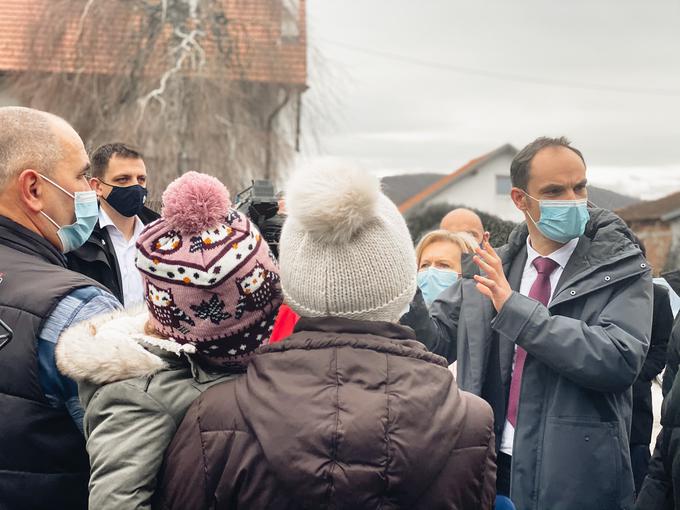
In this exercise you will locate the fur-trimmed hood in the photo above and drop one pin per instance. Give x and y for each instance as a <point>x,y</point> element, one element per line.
<point>113,347</point>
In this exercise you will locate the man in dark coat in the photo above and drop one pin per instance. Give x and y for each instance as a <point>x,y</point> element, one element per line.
<point>46,209</point>
<point>350,411</point>
<point>552,335</point>
<point>118,175</point>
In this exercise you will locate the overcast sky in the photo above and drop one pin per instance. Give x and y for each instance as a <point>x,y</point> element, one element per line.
<point>406,86</point>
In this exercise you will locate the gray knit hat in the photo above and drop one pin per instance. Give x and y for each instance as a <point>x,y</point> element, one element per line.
<point>345,249</point>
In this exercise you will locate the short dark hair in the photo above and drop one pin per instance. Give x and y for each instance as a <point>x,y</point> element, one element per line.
<point>99,160</point>
<point>521,163</point>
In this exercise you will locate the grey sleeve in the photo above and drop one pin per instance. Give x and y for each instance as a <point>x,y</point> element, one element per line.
<point>127,435</point>
<point>606,355</point>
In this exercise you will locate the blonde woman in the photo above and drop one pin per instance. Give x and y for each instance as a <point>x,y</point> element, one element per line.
<point>439,257</point>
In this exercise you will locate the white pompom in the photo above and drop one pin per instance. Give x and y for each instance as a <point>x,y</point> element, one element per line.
<point>332,202</point>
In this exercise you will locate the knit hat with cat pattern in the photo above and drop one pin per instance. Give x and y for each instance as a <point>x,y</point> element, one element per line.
<point>345,250</point>
<point>210,279</point>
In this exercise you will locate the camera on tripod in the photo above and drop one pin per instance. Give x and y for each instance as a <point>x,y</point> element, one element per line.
<point>260,203</point>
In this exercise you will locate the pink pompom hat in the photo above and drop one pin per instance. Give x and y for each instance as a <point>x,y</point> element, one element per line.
<point>210,279</point>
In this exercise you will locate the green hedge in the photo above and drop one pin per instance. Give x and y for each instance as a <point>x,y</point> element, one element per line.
<point>423,220</point>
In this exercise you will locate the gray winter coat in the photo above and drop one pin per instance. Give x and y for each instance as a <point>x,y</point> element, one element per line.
<point>135,390</point>
<point>584,352</point>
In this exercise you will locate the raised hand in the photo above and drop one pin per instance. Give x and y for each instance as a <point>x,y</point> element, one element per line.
<point>494,284</point>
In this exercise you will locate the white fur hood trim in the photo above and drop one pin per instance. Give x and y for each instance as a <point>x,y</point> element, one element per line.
<point>109,348</point>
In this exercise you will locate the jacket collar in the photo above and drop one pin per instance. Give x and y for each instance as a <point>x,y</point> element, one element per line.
<point>337,332</point>
<point>24,240</point>
<point>356,327</point>
<point>606,243</point>
<point>100,236</point>
<point>148,215</point>
<point>113,347</point>
<point>562,255</point>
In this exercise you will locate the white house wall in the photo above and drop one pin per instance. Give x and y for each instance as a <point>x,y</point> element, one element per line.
<point>478,190</point>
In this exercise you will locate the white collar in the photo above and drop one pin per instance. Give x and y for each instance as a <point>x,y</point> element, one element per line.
<point>561,255</point>
<point>106,221</point>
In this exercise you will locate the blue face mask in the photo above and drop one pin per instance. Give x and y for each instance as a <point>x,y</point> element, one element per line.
<point>562,220</point>
<point>74,236</point>
<point>433,281</point>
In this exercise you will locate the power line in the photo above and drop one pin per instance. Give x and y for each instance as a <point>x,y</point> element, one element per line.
<point>501,75</point>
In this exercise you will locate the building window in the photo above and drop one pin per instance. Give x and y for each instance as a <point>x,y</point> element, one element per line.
<point>290,20</point>
<point>503,185</point>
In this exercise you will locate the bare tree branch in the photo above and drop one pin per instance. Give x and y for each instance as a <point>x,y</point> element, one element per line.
<point>81,21</point>
<point>184,50</point>
<point>174,77</point>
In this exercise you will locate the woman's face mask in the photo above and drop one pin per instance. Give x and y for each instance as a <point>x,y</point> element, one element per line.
<point>561,220</point>
<point>74,236</point>
<point>433,281</point>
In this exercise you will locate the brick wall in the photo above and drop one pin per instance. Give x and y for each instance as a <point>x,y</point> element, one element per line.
<point>260,30</point>
<point>658,239</point>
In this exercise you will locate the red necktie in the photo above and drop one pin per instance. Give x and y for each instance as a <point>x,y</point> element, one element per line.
<point>540,291</point>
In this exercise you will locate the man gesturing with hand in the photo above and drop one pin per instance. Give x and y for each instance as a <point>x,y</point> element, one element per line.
<point>552,333</point>
<point>494,285</point>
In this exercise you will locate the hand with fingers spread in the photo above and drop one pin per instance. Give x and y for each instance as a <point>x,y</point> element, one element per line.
<point>494,284</point>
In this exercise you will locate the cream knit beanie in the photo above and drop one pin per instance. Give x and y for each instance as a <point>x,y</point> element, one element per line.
<point>345,249</point>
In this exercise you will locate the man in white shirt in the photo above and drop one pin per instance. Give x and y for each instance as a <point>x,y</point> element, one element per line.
<point>561,256</point>
<point>119,178</point>
<point>552,334</point>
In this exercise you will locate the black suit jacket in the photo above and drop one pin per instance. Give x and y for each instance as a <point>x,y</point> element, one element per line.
<point>97,257</point>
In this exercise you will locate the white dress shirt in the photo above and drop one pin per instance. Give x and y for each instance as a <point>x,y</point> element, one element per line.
<point>133,288</point>
<point>561,256</point>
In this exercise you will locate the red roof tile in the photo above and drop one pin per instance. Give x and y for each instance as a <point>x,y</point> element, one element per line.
<point>254,25</point>
<point>661,209</point>
<point>451,178</point>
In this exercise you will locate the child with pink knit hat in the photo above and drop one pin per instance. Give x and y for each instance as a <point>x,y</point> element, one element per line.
<point>210,279</point>
<point>212,293</point>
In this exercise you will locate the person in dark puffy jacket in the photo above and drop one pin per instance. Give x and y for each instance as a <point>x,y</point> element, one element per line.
<point>350,411</point>
<point>661,487</point>
<point>643,414</point>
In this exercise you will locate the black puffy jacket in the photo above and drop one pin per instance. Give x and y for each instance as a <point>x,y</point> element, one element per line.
<point>661,488</point>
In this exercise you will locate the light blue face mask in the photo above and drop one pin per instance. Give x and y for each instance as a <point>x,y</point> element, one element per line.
<point>74,236</point>
<point>433,281</point>
<point>562,220</point>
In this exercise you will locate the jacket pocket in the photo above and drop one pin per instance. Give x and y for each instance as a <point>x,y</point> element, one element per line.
<point>580,465</point>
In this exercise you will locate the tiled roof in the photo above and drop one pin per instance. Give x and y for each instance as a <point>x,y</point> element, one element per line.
<point>254,24</point>
<point>400,188</point>
<point>609,199</point>
<point>449,179</point>
<point>665,208</point>
<point>409,190</point>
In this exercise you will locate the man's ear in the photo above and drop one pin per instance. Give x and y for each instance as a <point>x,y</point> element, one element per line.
<point>96,186</point>
<point>519,197</point>
<point>31,190</point>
